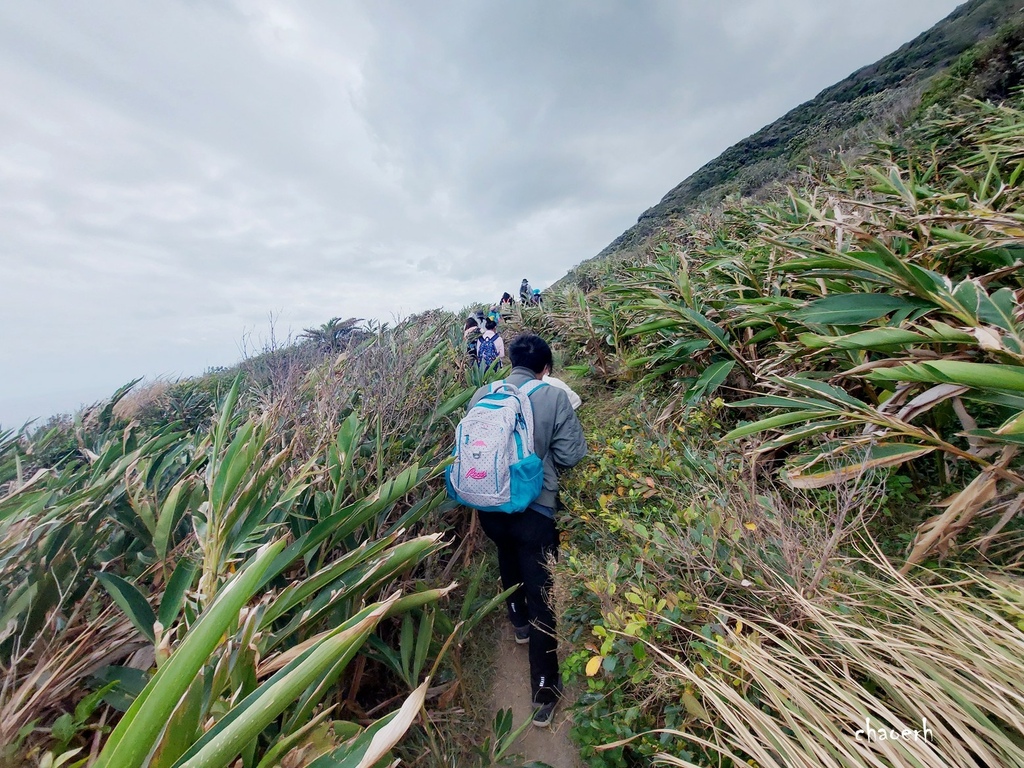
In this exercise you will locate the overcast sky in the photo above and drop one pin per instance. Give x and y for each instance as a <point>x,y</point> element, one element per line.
<point>174,174</point>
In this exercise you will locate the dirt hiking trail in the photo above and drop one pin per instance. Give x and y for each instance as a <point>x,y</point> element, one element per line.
<point>511,688</point>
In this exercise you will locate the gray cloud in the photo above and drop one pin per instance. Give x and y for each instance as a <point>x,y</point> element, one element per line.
<point>173,173</point>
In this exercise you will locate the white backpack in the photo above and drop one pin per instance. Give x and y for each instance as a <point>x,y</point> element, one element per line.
<point>495,467</point>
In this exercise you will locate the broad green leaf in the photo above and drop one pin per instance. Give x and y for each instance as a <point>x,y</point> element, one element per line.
<point>63,729</point>
<point>421,598</point>
<point>361,580</point>
<point>140,728</point>
<point>171,511</point>
<point>370,746</point>
<point>764,335</point>
<point>803,431</point>
<point>713,331</point>
<point>969,295</point>
<point>1013,425</point>
<point>348,519</point>
<point>984,376</point>
<point>954,236</point>
<point>88,705</point>
<point>231,469</point>
<point>131,601</point>
<point>1002,399</point>
<point>272,757</point>
<point>778,401</point>
<point>997,310</point>
<point>654,325</point>
<point>1014,438</point>
<point>710,380</point>
<point>297,593</point>
<point>423,637</point>
<point>772,422</point>
<point>943,332</point>
<point>452,404</point>
<point>225,417</point>
<point>339,456</point>
<point>174,592</point>
<point>875,338</point>
<point>852,462</point>
<point>853,308</point>
<point>405,646</point>
<point>474,614</point>
<point>222,743</point>
<point>913,277</point>
<point>826,390</point>
<point>1000,310</point>
<point>129,682</point>
<point>183,728</point>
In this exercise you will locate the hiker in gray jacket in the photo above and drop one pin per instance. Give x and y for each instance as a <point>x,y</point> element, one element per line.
<point>527,539</point>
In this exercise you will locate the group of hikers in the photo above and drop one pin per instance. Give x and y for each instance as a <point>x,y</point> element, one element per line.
<point>484,344</point>
<point>527,295</point>
<point>516,437</point>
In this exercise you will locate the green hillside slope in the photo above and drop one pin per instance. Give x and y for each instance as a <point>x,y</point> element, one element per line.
<point>873,99</point>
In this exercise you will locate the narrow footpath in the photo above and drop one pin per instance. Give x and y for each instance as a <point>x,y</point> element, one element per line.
<point>512,689</point>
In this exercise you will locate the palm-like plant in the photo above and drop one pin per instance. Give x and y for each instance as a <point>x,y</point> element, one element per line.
<point>334,335</point>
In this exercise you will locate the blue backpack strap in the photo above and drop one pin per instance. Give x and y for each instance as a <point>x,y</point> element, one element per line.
<point>532,386</point>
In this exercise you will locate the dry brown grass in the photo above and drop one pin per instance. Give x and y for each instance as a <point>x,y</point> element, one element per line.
<point>887,651</point>
<point>141,398</point>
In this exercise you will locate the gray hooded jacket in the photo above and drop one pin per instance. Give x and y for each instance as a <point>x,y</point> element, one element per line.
<point>558,437</point>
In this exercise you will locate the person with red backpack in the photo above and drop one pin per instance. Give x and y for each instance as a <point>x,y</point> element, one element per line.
<point>516,436</point>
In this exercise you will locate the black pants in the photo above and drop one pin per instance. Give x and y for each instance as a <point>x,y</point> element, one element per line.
<point>525,540</point>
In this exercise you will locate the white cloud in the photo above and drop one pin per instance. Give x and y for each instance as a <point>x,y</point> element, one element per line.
<point>173,173</point>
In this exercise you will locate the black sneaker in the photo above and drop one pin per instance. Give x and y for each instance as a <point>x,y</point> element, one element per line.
<point>522,634</point>
<point>544,694</point>
<point>544,714</point>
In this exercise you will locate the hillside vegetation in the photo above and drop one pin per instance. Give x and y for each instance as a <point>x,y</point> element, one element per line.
<point>800,522</point>
<point>814,459</point>
<point>873,101</point>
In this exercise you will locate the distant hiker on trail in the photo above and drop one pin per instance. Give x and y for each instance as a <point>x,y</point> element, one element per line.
<point>490,346</point>
<point>506,299</point>
<point>494,314</point>
<point>525,293</point>
<point>535,297</point>
<point>539,414</point>
<point>470,336</point>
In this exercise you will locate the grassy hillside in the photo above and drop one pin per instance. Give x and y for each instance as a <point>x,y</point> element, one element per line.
<point>869,103</point>
<point>794,407</point>
<point>801,519</point>
<point>801,515</point>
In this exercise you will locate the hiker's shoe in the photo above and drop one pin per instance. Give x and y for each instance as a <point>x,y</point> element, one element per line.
<point>545,694</point>
<point>544,714</point>
<point>522,634</point>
